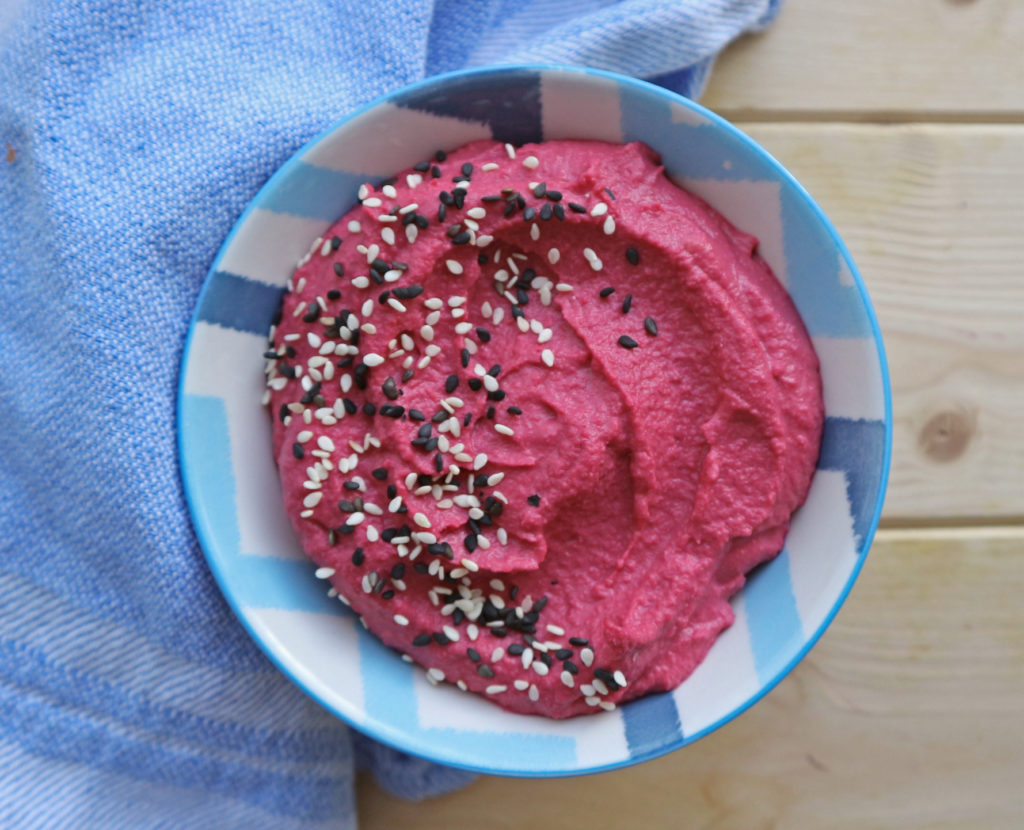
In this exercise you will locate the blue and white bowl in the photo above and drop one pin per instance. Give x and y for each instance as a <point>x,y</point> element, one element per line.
<point>232,485</point>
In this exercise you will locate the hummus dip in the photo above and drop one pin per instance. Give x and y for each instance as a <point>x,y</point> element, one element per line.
<point>537,411</point>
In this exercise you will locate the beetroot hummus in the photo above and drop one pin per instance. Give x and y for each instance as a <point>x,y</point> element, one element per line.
<point>537,411</point>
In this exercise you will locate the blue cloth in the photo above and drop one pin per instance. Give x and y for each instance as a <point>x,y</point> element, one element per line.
<point>132,135</point>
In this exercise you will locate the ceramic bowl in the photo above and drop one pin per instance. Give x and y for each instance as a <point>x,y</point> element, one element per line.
<point>232,485</point>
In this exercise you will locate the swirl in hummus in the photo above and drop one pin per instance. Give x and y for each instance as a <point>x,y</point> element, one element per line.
<point>537,412</point>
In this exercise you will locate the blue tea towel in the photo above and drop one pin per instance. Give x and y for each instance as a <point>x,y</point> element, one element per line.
<point>132,135</point>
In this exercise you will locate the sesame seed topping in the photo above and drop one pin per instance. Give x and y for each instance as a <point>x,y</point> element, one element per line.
<point>548,357</point>
<point>627,342</point>
<point>496,689</point>
<point>608,227</point>
<point>504,430</point>
<point>587,656</point>
<point>600,209</point>
<point>373,359</point>
<point>324,573</point>
<point>531,162</point>
<point>400,619</point>
<point>453,266</point>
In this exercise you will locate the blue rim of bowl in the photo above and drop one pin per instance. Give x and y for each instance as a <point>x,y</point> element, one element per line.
<point>385,733</point>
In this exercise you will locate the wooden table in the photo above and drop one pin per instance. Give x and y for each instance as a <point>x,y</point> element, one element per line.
<point>905,120</point>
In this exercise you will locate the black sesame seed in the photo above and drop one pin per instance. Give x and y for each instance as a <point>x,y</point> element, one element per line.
<point>627,304</point>
<point>650,326</point>
<point>424,431</point>
<point>332,536</point>
<point>357,557</point>
<point>346,530</point>
<point>540,190</point>
<point>422,167</point>
<point>460,198</point>
<point>390,389</point>
<point>633,255</point>
<point>570,667</point>
<point>540,604</point>
<point>430,444</point>
<point>334,294</point>
<point>440,638</point>
<point>451,383</point>
<point>498,632</point>
<point>467,419</point>
<point>351,485</point>
<point>559,213</point>
<point>606,291</point>
<point>576,207</point>
<point>484,670</point>
<point>311,315</point>
<point>381,473</point>
<point>608,190</point>
<point>421,639</point>
<point>435,172</point>
<point>561,654</point>
<point>516,649</point>
<point>490,413</point>
<point>442,213</point>
<point>416,415</point>
<point>392,410</point>
<point>546,211</point>
<point>339,269</point>
<point>522,297</point>
<point>420,567</point>
<point>345,506</point>
<point>422,222</point>
<point>510,208</point>
<point>473,655</point>
<point>470,542</point>
<point>534,499</point>
<point>441,156</point>
<point>284,412</point>
<point>515,410</point>
<point>483,334</point>
<point>446,198</point>
<point>480,480</point>
<point>388,594</point>
<point>438,462</point>
<point>475,384</point>
<point>497,395</point>
<point>529,214</point>
<point>440,415</point>
<point>467,169</point>
<point>407,292</point>
<point>627,342</point>
<point>298,451</point>
<point>462,238</point>
<point>370,408</point>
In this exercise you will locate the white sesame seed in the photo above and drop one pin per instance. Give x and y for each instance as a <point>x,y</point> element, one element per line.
<point>554,255</point>
<point>479,461</point>
<point>490,383</point>
<point>599,685</point>
<point>409,208</point>
<point>501,275</point>
<point>372,202</point>
<point>436,674</point>
<point>427,333</point>
<point>504,430</point>
<point>544,336</point>
<point>567,679</point>
<point>487,168</point>
<point>364,191</point>
<point>453,266</point>
<point>389,191</point>
<point>600,209</point>
<point>607,705</point>
<point>609,226</point>
<point>472,632</point>
<point>534,693</point>
<point>432,351</point>
<point>395,503</point>
<point>434,303</point>
<point>361,282</point>
<point>388,235</point>
<point>394,275</point>
<point>587,689</point>
<point>411,232</point>
<point>495,480</point>
<point>510,150</point>
<point>496,689</point>
<point>324,573</point>
<point>548,357</point>
<point>557,630</point>
<point>483,541</point>
<point>619,678</point>
<point>400,619</point>
<point>457,573</point>
<point>587,656</point>
<point>372,534</point>
<point>483,240</point>
<point>451,633</point>
<point>596,264</point>
<point>522,323</point>
<point>395,304</point>
<point>476,213</point>
<point>325,443</point>
<point>520,685</point>
<point>563,287</point>
<point>463,328</point>
<point>354,227</point>
<point>304,436</point>
<point>355,519</point>
<point>413,180</point>
<point>534,232</point>
<point>470,565</point>
<point>527,657</point>
<point>531,162</point>
<point>502,536</point>
<point>592,700</point>
<point>497,654</point>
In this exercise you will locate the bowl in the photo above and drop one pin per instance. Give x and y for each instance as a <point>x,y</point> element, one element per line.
<point>232,485</point>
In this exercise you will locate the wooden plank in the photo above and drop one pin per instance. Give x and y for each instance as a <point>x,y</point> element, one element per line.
<point>878,59</point>
<point>933,216</point>
<point>908,714</point>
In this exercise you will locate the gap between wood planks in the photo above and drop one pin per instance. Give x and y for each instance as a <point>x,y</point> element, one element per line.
<point>761,116</point>
<point>894,530</point>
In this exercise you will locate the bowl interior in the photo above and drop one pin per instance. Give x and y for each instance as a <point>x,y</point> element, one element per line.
<point>231,482</point>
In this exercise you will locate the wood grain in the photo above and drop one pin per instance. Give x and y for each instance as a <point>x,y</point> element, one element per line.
<point>909,713</point>
<point>933,215</point>
<point>878,59</point>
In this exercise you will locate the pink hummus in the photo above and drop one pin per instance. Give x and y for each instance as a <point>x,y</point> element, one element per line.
<point>537,411</point>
